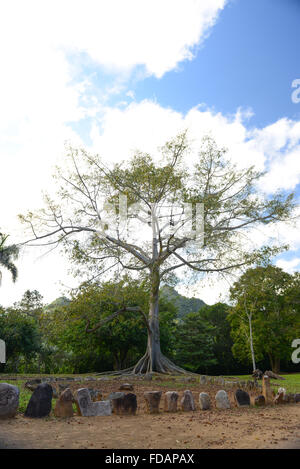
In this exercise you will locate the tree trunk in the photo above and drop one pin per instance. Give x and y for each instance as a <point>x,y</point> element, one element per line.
<point>276,365</point>
<point>154,360</point>
<point>251,342</point>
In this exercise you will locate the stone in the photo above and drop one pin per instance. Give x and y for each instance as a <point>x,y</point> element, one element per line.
<point>64,407</point>
<point>125,405</point>
<point>115,395</point>
<point>272,375</point>
<point>297,397</point>
<point>32,384</point>
<point>95,394</point>
<point>289,398</point>
<point>62,387</point>
<point>242,398</point>
<point>260,401</point>
<point>40,403</point>
<point>186,379</point>
<point>126,387</point>
<point>148,377</point>
<point>170,403</point>
<point>222,401</point>
<point>187,402</point>
<point>103,408</point>
<point>152,401</point>
<point>257,374</point>
<point>266,390</point>
<point>202,379</point>
<point>204,401</point>
<point>9,400</point>
<point>279,398</point>
<point>87,408</point>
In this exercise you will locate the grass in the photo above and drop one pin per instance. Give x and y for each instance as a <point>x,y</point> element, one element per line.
<point>291,382</point>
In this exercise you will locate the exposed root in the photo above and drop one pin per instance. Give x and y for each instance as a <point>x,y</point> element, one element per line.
<point>145,365</point>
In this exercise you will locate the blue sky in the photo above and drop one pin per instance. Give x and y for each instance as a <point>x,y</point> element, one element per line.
<point>250,59</point>
<point>86,72</point>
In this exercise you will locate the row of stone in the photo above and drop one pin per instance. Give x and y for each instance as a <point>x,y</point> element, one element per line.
<point>89,401</point>
<point>203,379</point>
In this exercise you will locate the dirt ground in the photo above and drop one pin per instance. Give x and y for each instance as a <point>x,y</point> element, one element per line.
<point>265,427</point>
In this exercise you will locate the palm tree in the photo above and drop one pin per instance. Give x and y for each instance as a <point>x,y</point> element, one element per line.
<point>7,255</point>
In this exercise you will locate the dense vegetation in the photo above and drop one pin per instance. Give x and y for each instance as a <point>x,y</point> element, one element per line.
<point>213,339</point>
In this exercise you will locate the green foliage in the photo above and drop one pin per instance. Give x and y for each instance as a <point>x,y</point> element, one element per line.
<point>217,317</point>
<point>21,336</point>
<point>8,253</point>
<point>194,343</point>
<point>272,296</point>
<point>117,343</point>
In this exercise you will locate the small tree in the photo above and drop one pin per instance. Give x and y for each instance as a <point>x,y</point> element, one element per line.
<point>8,253</point>
<point>158,238</point>
<point>266,313</point>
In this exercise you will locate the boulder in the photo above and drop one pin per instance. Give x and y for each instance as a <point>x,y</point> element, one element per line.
<point>115,395</point>
<point>279,398</point>
<point>266,389</point>
<point>204,401</point>
<point>152,401</point>
<point>289,398</point>
<point>126,387</point>
<point>64,407</point>
<point>260,401</point>
<point>257,374</point>
<point>242,398</point>
<point>222,401</point>
<point>32,384</point>
<point>9,400</point>
<point>87,408</point>
<point>96,395</point>
<point>125,405</point>
<point>272,375</point>
<point>40,402</point>
<point>187,402</point>
<point>170,403</point>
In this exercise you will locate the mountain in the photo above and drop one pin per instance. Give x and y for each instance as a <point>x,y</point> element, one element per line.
<point>61,301</point>
<point>184,305</point>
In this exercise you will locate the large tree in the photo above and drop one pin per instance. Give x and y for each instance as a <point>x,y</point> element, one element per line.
<point>161,234</point>
<point>8,253</point>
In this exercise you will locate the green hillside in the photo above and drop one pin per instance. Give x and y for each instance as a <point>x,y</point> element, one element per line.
<point>183,304</point>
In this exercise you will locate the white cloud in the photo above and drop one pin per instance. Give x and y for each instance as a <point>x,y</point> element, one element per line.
<point>44,85</point>
<point>289,266</point>
<point>117,34</point>
<point>42,90</point>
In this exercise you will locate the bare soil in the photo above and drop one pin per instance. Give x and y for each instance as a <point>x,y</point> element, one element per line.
<point>265,427</point>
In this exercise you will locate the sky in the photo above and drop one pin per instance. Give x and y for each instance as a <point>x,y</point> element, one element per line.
<point>86,72</point>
